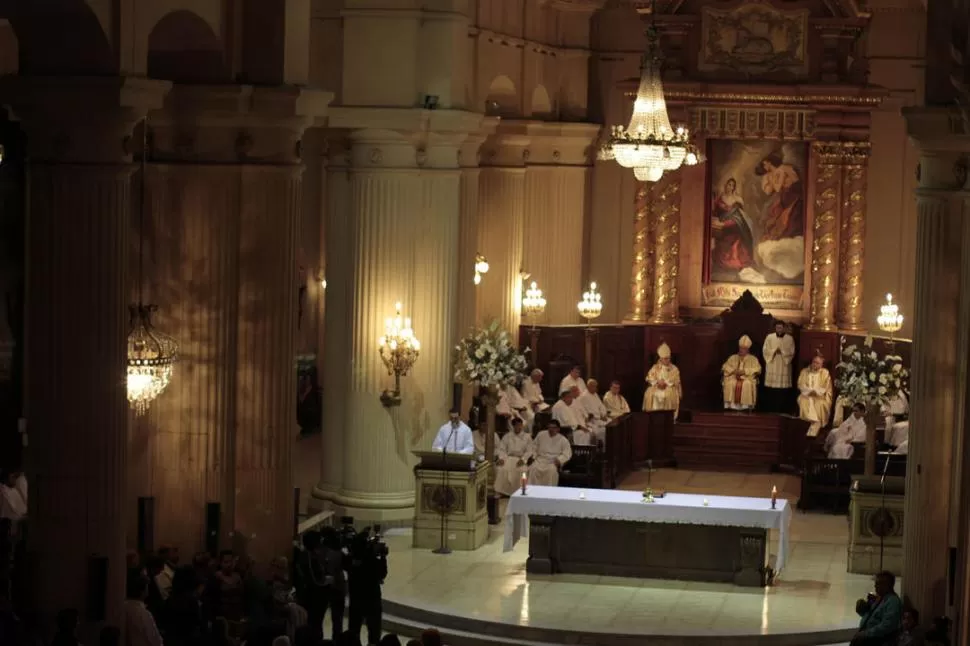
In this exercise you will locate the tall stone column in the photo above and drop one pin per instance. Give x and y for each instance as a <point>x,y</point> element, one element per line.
<point>825,234</point>
<point>468,229</point>
<point>852,238</point>
<point>933,385</point>
<point>641,284</point>
<point>77,296</point>
<point>501,228</point>
<point>665,203</point>
<point>401,244</point>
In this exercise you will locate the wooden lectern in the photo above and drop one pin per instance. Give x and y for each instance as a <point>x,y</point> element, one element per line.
<point>456,485</point>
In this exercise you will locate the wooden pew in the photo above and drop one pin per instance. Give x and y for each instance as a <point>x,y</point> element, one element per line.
<point>826,483</point>
<point>594,467</point>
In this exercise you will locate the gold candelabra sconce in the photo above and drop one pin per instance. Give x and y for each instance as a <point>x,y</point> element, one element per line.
<point>591,306</point>
<point>481,267</point>
<point>889,319</point>
<point>533,306</point>
<point>399,349</point>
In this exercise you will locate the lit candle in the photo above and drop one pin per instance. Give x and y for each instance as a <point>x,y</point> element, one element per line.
<point>524,481</point>
<point>774,496</point>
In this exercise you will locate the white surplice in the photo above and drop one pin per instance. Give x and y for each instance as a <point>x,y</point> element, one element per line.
<point>815,397</point>
<point>568,382</point>
<point>551,454</point>
<point>571,415</point>
<point>514,452</point>
<point>461,440</point>
<point>532,392</point>
<point>594,406</point>
<point>838,443</point>
<point>519,406</point>
<point>616,405</point>
<point>778,353</point>
<point>479,439</point>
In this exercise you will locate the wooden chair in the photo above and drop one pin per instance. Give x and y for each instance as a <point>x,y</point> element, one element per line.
<point>584,469</point>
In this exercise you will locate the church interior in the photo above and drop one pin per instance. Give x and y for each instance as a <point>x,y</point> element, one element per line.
<point>256,253</point>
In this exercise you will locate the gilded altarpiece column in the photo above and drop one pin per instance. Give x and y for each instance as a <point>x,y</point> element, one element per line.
<point>665,204</point>
<point>852,235</point>
<point>825,234</point>
<point>641,293</point>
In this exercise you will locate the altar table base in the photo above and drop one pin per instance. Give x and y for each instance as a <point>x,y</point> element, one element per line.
<point>615,533</point>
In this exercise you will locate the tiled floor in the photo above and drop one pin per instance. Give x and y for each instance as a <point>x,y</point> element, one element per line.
<point>814,593</point>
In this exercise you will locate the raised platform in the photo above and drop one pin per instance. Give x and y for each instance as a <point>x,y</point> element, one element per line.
<point>486,596</point>
<point>736,441</point>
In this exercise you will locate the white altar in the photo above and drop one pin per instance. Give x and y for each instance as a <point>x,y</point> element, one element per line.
<point>673,508</point>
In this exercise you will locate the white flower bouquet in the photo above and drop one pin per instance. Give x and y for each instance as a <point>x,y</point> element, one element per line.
<point>487,357</point>
<point>863,376</point>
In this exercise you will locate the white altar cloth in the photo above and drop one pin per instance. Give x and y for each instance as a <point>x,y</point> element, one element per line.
<point>614,504</point>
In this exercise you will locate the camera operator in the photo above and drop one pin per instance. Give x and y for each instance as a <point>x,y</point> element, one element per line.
<point>368,569</point>
<point>311,582</point>
<point>335,583</point>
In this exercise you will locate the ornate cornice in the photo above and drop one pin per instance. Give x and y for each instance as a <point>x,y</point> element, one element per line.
<point>809,96</point>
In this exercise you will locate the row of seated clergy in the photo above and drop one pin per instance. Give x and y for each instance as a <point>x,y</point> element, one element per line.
<point>840,442</point>
<point>584,413</point>
<point>541,458</point>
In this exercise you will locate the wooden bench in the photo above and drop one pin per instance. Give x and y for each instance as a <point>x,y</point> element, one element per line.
<point>596,467</point>
<point>826,483</point>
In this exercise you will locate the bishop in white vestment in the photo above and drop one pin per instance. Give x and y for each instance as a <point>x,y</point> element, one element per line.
<point>663,384</point>
<point>778,351</point>
<point>572,415</point>
<point>552,451</point>
<point>838,443</point>
<point>514,452</point>
<point>615,402</point>
<point>815,395</point>
<point>596,413</point>
<point>573,379</point>
<point>532,391</point>
<point>739,377</point>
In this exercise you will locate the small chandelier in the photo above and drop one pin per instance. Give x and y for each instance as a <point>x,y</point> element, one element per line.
<point>649,145</point>
<point>592,304</point>
<point>399,349</point>
<point>481,267</point>
<point>151,358</point>
<point>533,303</point>
<point>889,319</point>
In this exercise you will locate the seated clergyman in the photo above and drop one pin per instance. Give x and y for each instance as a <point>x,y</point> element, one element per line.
<point>569,414</point>
<point>532,391</point>
<point>615,402</point>
<point>574,378</point>
<point>514,452</point>
<point>663,384</point>
<point>519,406</point>
<point>838,443</point>
<point>815,394</point>
<point>596,414</point>
<point>740,377</point>
<point>552,451</point>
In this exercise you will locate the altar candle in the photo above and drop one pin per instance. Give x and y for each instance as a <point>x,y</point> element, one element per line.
<point>774,496</point>
<point>524,481</point>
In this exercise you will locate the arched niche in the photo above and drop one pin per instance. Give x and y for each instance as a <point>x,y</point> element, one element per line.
<point>183,48</point>
<point>62,37</point>
<point>541,104</point>
<point>502,98</point>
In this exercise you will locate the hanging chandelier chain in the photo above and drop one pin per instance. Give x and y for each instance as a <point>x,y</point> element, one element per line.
<point>143,183</point>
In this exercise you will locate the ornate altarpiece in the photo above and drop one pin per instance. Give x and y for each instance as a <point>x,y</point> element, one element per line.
<point>764,71</point>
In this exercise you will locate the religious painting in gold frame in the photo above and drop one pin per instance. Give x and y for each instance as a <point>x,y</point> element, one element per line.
<point>755,224</point>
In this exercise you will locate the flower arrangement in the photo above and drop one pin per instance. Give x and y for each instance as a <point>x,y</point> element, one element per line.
<point>863,376</point>
<point>487,357</point>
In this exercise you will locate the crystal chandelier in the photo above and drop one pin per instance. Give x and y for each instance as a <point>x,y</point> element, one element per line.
<point>592,304</point>
<point>399,349</point>
<point>649,145</point>
<point>533,303</point>
<point>151,355</point>
<point>889,319</point>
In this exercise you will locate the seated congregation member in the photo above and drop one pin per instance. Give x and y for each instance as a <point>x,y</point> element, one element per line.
<point>519,406</point>
<point>479,436</point>
<point>596,414</point>
<point>838,443</point>
<point>532,391</point>
<point>740,377</point>
<point>663,384</point>
<point>881,614</point>
<point>815,394</point>
<point>615,402</point>
<point>570,415</point>
<point>573,379</point>
<point>454,436</point>
<point>552,450</point>
<point>514,452</point>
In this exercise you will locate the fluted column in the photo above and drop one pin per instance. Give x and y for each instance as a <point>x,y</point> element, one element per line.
<point>825,234</point>
<point>933,386</point>
<point>501,192</point>
<point>468,232</point>
<point>960,482</point>
<point>665,203</point>
<point>641,293</point>
<point>77,324</point>
<point>852,238</point>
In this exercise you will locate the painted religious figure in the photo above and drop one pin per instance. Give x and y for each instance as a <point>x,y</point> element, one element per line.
<point>757,221</point>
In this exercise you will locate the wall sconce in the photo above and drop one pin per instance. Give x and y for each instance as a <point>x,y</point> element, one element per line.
<point>592,304</point>
<point>533,304</point>
<point>481,267</point>
<point>889,319</point>
<point>399,350</point>
<point>323,283</point>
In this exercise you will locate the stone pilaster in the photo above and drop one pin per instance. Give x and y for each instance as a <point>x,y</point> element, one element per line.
<point>501,227</point>
<point>665,204</point>
<point>825,234</point>
<point>852,234</point>
<point>555,228</point>
<point>77,293</point>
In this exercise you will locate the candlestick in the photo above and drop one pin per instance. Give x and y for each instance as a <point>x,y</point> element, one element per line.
<point>525,479</point>
<point>774,496</point>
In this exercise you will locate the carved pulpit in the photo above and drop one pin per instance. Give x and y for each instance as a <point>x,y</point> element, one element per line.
<point>456,486</point>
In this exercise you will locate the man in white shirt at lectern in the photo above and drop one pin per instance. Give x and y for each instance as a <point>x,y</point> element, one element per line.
<point>454,436</point>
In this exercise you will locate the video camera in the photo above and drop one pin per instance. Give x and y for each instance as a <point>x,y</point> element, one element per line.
<point>353,542</point>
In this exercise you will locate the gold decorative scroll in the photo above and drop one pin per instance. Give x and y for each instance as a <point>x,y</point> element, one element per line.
<point>641,295</point>
<point>752,123</point>
<point>666,209</point>
<point>754,38</point>
<point>825,233</point>
<point>852,234</point>
<point>777,297</point>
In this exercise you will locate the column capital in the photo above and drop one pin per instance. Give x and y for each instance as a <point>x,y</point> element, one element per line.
<point>470,154</point>
<point>232,123</point>
<point>507,145</point>
<point>81,119</point>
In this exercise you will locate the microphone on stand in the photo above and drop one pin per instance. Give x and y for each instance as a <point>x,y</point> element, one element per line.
<point>884,513</point>
<point>445,494</point>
